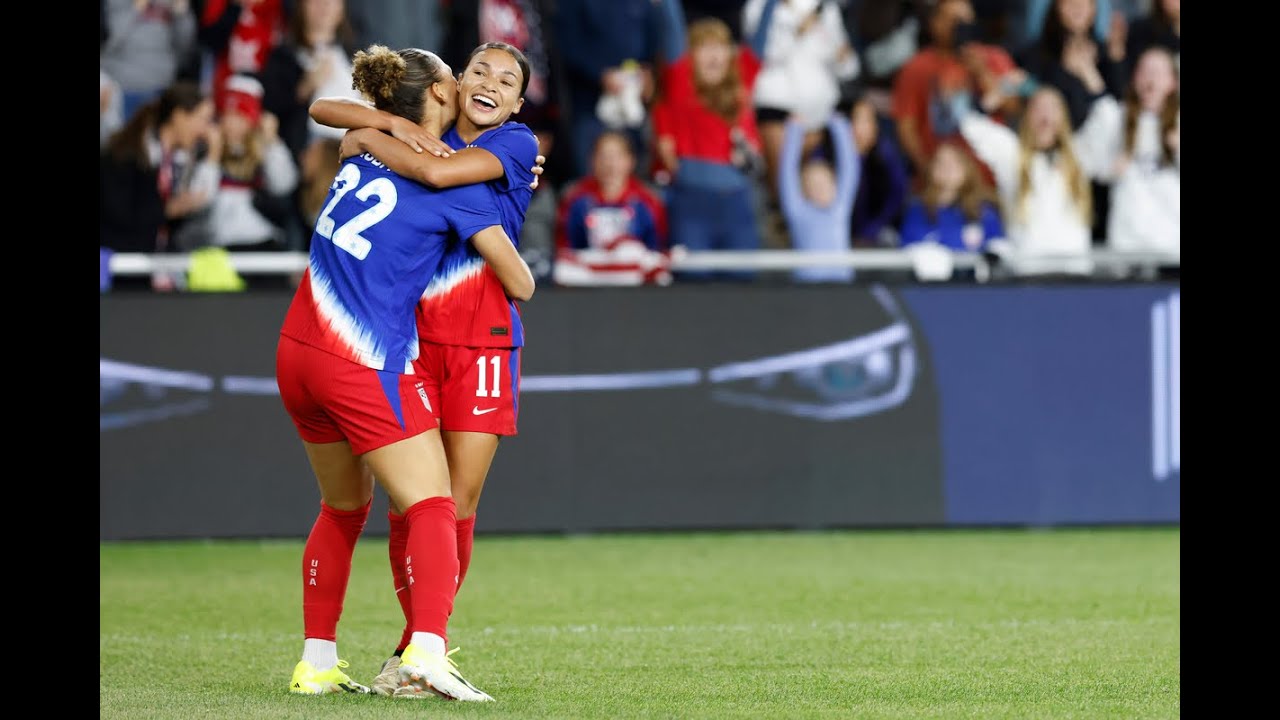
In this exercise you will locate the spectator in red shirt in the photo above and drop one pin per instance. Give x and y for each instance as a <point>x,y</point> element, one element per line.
<point>611,228</point>
<point>239,34</point>
<point>708,143</point>
<point>953,63</point>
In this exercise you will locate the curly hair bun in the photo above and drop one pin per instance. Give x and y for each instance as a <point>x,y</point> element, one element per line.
<point>377,72</point>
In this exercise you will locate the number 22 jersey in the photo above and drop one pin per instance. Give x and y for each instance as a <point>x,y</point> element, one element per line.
<point>377,243</point>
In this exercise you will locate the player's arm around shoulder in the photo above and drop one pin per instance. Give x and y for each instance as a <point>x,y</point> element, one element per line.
<point>467,167</point>
<point>509,154</point>
<point>355,114</point>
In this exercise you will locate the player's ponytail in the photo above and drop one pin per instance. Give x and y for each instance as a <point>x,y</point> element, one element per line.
<point>396,80</point>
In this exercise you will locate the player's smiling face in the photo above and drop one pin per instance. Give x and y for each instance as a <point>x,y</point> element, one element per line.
<point>489,89</point>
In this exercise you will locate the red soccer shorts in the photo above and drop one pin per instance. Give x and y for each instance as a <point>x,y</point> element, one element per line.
<point>331,398</point>
<point>479,388</point>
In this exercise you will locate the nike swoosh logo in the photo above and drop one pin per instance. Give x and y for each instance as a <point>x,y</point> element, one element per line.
<point>475,410</point>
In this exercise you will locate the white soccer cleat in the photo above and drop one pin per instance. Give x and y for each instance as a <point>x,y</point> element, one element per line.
<point>388,679</point>
<point>423,675</point>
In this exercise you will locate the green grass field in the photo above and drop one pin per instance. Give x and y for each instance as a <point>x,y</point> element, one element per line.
<point>945,624</point>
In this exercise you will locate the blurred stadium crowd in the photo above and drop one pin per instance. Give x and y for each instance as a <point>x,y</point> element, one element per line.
<point>1028,130</point>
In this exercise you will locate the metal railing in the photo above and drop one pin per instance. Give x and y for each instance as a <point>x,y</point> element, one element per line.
<point>887,259</point>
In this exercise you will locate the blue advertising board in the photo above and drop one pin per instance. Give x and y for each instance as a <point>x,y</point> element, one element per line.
<point>698,406</point>
<point>1057,404</point>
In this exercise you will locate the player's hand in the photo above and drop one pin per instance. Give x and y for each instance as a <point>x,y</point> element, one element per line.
<point>537,171</point>
<point>352,143</point>
<point>412,134</point>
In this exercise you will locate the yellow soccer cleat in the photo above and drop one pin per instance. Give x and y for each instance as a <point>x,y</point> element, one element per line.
<point>307,680</point>
<point>423,674</point>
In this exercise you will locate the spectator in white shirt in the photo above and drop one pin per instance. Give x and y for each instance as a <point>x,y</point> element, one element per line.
<point>1043,180</point>
<point>1139,155</point>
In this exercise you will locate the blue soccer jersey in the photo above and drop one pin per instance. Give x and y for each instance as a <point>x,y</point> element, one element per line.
<point>377,243</point>
<point>465,303</point>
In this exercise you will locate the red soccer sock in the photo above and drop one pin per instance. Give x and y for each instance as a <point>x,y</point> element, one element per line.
<point>466,538</point>
<point>431,563</point>
<point>395,552</point>
<point>326,568</point>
